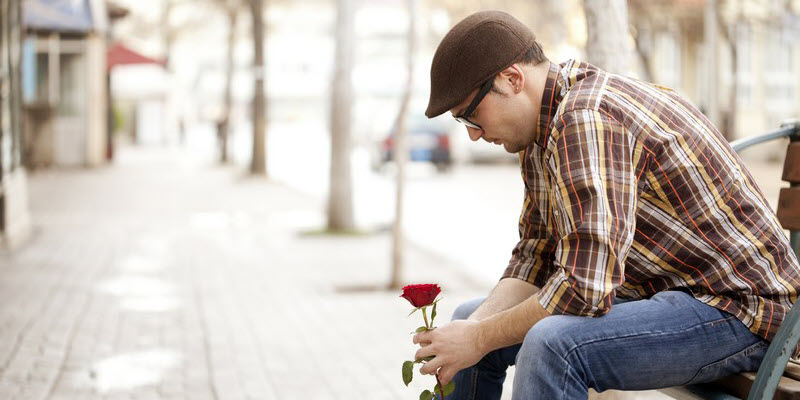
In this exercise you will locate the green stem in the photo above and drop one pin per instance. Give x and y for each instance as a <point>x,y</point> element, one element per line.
<point>425,317</point>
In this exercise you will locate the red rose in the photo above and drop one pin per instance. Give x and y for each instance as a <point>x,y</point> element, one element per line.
<point>421,295</point>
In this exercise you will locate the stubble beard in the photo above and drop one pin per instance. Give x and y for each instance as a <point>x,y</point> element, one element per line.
<point>513,150</point>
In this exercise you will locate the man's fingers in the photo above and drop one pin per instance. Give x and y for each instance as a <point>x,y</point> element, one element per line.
<point>431,366</point>
<point>421,337</point>
<point>445,375</point>
<point>424,352</point>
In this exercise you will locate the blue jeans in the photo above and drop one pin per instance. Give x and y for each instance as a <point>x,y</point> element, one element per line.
<point>668,340</point>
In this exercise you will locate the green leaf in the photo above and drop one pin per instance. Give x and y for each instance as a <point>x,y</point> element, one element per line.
<point>426,395</point>
<point>413,311</point>
<point>446,390</point>
<point>421,329</point>
<point>449,388</point>
<point>408,372</point>
<point>433,313</point>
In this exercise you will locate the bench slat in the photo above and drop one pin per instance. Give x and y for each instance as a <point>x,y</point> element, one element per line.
<point>791,166</point>
<point>789,208</point>
<point>740,384</point>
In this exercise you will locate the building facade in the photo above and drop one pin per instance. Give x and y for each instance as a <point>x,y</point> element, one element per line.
<point>737,60</point>
<point>65,83</point>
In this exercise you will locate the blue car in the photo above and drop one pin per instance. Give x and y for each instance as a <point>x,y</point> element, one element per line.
<point>428,141</point>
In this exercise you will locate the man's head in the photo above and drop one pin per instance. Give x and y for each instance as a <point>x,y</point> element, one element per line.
<point>485,73</point>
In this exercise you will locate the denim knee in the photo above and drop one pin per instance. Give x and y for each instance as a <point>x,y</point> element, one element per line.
<point>464,310</point>
<point>548,345</point>
<point>551,335</point>
<point>548,362</point>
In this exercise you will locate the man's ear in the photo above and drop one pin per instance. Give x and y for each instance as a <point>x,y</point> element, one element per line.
<point>514,77</point>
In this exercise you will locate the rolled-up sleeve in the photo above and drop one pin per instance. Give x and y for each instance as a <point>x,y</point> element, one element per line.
<point>532,257</point>
<point>592,186</point>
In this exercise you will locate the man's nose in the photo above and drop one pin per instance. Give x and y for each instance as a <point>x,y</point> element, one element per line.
<point>474,134</point>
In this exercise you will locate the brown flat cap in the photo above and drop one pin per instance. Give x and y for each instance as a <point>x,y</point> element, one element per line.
<point>476,49</point>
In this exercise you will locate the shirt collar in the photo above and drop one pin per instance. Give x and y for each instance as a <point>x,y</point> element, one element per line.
<point>551,98</point>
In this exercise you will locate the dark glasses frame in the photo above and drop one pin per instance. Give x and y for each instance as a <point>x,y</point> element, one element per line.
<point>464,117</point>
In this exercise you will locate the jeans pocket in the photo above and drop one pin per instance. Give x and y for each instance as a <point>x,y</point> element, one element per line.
<point>746,360</point>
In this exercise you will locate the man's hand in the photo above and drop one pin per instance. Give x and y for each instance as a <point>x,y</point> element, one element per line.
<point>456,345</point>
<point>462,343</point>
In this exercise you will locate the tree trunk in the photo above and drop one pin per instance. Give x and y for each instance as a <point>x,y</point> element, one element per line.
<point>5,81</point>
<point>224,127</point>
<point>258,165</point>
<point>400,155</point>
<point>168,33</point>
<point>13,30</point>
<point>712,63</point>
<point>729,129</point>
<point>643,45</point>
<point>340,195</point>
<point>729,34</point>
<point>607,43</point>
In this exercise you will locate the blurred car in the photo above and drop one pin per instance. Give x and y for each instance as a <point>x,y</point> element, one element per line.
<point>428,141</point>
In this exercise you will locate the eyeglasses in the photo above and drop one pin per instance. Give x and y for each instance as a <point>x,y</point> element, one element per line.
<point>463,118</point>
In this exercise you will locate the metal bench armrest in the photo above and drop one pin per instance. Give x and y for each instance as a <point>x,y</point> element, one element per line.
<point>787,129</point>
<point>778,353</point>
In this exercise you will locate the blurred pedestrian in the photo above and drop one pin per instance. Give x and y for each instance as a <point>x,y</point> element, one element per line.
<point>182,131</point>
<point>648,257</point>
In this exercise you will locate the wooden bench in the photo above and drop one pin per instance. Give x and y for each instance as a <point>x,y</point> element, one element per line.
<point>777,377</point>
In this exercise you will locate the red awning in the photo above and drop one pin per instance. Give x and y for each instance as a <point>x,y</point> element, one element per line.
<point>118,54</point>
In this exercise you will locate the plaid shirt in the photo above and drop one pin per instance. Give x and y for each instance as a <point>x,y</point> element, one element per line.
<point>630,191</point>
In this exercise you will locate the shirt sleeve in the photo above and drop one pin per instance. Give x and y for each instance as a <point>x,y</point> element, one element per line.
<point>532,257</point>
<point>594,198</point>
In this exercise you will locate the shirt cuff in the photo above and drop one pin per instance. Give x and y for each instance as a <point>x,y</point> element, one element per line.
<point>559,297</point>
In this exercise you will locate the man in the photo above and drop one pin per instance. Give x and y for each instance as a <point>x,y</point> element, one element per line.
<point>648,257</point>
